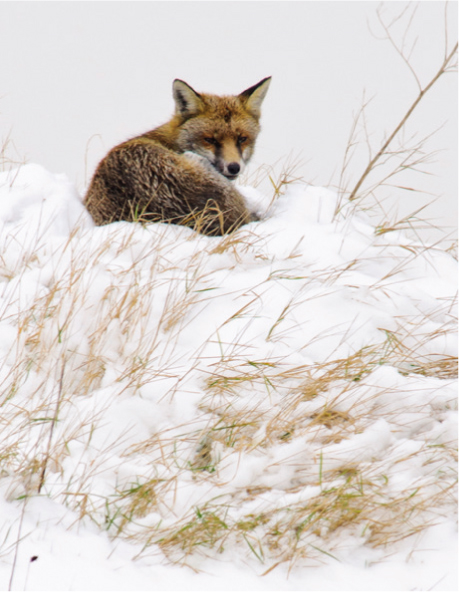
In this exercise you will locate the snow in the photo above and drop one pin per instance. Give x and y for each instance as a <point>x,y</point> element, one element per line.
<point>243,376</point>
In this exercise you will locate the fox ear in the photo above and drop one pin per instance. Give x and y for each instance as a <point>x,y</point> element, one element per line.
<point>254,96</point>
<point>187,101</point>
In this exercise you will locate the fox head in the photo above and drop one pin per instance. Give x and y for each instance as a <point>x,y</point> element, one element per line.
<point>221,129</point>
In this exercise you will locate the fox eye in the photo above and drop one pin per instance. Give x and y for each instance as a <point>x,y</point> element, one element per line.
<point>211,141</point>
<point>242,139</point>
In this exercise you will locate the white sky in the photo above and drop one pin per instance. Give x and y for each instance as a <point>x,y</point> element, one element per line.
<point>76,78</point>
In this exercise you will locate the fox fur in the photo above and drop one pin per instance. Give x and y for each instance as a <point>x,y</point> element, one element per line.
<point>182,171</point>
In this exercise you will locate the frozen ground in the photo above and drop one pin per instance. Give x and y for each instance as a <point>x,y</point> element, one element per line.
<point>181,412</point>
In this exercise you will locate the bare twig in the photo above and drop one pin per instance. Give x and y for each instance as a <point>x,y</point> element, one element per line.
<point>384,150</point>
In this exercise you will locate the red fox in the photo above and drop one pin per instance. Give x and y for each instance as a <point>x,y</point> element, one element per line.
<point>181,172</point>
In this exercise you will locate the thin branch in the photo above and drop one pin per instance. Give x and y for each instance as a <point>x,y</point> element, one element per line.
<point>447,63</point>
<point>400,50</point>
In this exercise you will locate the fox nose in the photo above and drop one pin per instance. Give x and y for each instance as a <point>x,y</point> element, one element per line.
<point>234,168</point>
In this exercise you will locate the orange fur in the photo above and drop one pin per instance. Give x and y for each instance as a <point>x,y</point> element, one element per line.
<point>181,172</point>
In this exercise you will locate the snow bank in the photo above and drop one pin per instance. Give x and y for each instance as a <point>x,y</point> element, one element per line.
<point>285,394</point>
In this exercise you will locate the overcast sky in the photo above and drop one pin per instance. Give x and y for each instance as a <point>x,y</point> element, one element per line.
<point>76,78</point>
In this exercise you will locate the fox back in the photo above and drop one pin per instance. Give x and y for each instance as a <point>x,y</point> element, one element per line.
<point>182,171</point>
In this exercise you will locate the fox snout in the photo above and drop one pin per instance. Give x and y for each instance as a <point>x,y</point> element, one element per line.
<point>229,162</point>
<point>231,170</point>
<point>227,157</point>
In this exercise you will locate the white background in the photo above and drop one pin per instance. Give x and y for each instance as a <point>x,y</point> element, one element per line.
<point>77,78</point>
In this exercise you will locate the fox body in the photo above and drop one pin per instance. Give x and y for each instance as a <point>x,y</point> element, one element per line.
<point>182,171</point>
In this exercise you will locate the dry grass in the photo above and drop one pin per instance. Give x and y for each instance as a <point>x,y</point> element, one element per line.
<point>106,328</point>
<point>71,342</point>
<point>352,502</point>
<point>349,498</point>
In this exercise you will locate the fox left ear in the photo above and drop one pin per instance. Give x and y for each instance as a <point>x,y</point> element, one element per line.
<point>187,101</point>
<point>254,96</point>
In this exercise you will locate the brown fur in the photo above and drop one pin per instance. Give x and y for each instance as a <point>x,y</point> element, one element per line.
<point>181,172</point>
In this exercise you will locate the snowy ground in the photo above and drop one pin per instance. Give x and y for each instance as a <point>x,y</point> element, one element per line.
<point>182,412</point>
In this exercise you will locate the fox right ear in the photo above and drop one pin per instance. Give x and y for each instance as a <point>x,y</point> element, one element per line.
<point>253,96</point>
<point>187,101</point>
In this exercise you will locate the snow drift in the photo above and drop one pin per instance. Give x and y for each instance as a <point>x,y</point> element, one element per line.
<point>279,400</point>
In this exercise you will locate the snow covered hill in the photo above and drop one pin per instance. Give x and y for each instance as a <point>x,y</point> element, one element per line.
<point>279,401</point>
